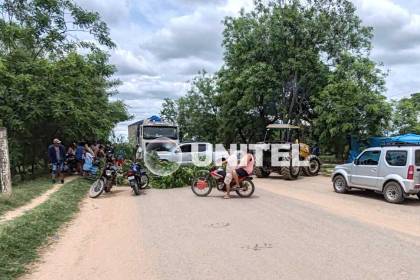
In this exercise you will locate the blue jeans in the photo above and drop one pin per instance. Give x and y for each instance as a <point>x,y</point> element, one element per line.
<point>57,167</point>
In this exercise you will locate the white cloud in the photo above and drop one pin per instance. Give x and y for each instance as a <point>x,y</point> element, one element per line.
<point>111,11</point>
<point>137,88</point>
<point>163,44</point>
<point>396,42</point>
<point>194,35</point>
<point>129,63</point>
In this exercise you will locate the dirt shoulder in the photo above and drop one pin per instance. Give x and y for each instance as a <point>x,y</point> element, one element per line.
<point>102,242</point>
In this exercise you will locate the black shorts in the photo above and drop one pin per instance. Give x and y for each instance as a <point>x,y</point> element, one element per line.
<point>241,172</point>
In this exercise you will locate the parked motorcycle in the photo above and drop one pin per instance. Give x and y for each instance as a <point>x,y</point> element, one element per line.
<point>106,181</point>
<point>137,178</point>
<point>205,181</point>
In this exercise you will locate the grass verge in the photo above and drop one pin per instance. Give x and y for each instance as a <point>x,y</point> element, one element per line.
<point>327,169</point>
<point>21,238</point>
<point>23,193</point>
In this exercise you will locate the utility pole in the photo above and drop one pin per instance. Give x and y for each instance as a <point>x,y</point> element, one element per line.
<point>5,177</point>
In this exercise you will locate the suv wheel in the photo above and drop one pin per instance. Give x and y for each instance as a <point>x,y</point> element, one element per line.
<point>340,184</point>
<point>393,192</point>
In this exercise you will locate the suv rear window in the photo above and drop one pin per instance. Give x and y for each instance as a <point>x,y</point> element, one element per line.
<point>396,158</point>
<point>417,157</point>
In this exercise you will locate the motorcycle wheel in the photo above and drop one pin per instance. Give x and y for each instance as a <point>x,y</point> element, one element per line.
<point>246,189</point>
<point>202,186</point>
<point>144,179</point>
<point>97,188</point>
<point>135,188</point>
<point>108,185</point>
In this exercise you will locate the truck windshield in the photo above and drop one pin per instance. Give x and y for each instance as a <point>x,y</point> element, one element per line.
<point>153,132</point>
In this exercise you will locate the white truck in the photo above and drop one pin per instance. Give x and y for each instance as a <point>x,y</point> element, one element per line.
<point>145,133</point>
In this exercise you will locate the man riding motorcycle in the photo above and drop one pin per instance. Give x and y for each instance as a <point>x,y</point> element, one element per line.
<point>234,171</point>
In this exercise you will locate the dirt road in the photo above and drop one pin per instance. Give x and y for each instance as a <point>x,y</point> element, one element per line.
<point>288,230</point>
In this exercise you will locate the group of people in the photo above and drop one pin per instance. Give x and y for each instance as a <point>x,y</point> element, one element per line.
<point>81,158</point>
<point>77,158</point>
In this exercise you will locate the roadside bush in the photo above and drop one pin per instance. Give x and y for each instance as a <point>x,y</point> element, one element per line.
<point>180,178</point>
<point>329,159</point>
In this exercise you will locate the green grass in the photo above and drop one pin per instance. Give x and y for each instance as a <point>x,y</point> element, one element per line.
<point>21,238</point>
<point>23,193</point>
<point>327,169</point>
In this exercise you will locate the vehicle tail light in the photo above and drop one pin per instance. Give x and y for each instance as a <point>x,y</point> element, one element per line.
<point>130,173</point>
<point>410,172</point>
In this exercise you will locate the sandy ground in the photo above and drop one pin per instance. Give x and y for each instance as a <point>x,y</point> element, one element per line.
<point>287,230</point>
<point>103,242</point>
<point>10,215</point>
<point>365,206</point>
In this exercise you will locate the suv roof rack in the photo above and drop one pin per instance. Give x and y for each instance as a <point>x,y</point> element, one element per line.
<point>400,144</point>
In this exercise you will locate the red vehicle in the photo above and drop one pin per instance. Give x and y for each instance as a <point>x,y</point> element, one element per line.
<point>206,181</point>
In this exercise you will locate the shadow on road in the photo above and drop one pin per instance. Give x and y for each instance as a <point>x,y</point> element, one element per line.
<point>409,201</point>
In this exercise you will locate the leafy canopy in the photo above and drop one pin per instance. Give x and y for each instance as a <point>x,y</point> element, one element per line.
<point>52,83</point>
<point>298,62</point>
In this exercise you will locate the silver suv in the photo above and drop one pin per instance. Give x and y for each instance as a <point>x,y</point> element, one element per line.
<point>392,170</point>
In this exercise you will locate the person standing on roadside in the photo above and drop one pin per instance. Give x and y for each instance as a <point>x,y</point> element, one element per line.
<point>57,154</point>
<point>100,153</point>
<point>79,157</point>
<point>71,161</point>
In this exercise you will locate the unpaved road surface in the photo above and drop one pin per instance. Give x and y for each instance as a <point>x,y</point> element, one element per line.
<point>287,230</point>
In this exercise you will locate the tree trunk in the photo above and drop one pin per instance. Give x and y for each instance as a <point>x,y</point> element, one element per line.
<point>5,178</point>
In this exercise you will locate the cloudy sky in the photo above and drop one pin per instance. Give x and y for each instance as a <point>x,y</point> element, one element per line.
<point>162,44</point>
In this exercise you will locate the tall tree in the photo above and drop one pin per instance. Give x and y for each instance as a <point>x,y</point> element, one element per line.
<point>278,57</point>
<point>351,104</point>
<point>406,117</point>
<point>45,28</point>
<point>47,87</point>
<point>197,112</point>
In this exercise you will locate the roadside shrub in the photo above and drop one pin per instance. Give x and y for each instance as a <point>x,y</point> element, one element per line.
<point>180,178</point>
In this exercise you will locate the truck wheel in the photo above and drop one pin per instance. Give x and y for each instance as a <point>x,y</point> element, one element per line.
<point>290,173</point>
<point>313,168</point>
<point>393,192</point>
<point>261,173</point>
<point>340,184</point>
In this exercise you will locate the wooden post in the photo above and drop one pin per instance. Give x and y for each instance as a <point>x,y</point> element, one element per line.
<point>5,177</point>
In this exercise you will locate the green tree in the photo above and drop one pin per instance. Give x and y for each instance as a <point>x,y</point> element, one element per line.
<point>406,117</point>
<point>47,87</point>
<point>278,57</point>
<point>197,112</point>
<point>49,27</point>
<point>300,62</point>
<point>351,104</point>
